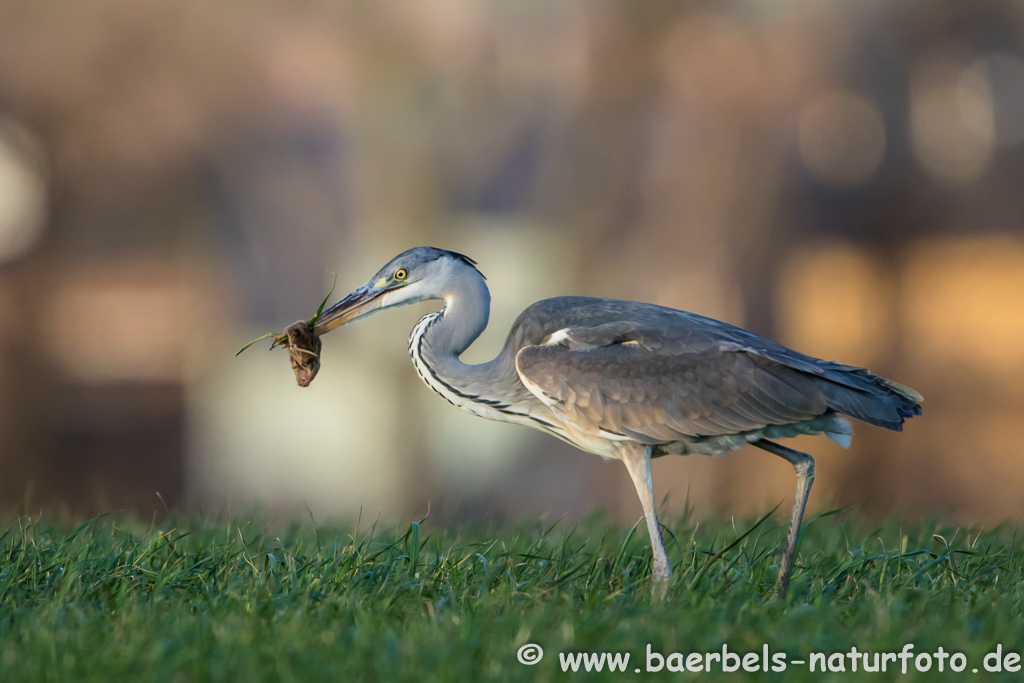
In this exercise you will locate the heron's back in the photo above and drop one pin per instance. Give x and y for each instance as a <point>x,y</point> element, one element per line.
<point>633,365</point>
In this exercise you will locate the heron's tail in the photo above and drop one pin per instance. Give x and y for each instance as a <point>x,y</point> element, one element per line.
<point>904,390</point>
<point>851,390</point>
<point>877,400</point>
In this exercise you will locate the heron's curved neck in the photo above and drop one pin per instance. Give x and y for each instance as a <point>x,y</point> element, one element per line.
<point>441,337</point>
<point>467,308</point>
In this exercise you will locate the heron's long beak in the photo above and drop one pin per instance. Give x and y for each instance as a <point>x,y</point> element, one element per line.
<point>359,304</point>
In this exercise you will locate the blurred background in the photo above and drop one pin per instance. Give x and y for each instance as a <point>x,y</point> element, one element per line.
<point>178,177</point>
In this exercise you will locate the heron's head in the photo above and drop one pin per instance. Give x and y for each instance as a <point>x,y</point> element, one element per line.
<point>419,274</point>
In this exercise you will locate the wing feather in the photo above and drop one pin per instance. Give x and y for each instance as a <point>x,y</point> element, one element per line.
<point>660,393</point>
<point>656,372</point>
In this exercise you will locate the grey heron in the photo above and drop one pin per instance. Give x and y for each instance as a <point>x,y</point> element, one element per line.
<point>625,380</point>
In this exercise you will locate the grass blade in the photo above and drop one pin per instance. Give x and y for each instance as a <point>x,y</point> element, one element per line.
<point>320,309</point>
<point>257,339</point>
<point>723,551</point>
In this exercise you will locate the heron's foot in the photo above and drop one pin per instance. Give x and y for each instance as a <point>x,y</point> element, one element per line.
<point>781,587</point>
<point>659,590</point>
<point>660,576</point>
<point>778,592</point>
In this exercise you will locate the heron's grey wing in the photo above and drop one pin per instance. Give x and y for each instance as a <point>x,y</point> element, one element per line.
<point>626,388</point>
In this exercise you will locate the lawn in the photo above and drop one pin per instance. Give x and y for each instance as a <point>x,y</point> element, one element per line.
<point>116,599</point>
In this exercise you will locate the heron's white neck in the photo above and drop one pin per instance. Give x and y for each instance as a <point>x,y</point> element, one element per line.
<point>439,338</point>
<point>467,308</point>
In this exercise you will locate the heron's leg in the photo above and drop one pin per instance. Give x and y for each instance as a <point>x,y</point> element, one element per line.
<point>637,459</point>
<point>804,466</point>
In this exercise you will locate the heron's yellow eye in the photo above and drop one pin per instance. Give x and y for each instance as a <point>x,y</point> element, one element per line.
<point>401,274</point>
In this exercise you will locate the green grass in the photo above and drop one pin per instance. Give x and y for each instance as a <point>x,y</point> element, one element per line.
<point>117,600</point>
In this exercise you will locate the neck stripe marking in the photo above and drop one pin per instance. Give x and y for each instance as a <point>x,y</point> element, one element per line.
<point>416,352</point>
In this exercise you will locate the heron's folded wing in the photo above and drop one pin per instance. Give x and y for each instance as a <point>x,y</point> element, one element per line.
<point>628,388</point>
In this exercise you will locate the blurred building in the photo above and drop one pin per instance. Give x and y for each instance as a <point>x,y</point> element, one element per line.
<point>177,178</point>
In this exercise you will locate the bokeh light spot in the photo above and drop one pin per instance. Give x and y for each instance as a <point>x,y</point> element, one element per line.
<point>842,138</point>
<point>952,127</point>
<point>22,191</point>
<point>1005,74</point>
<point>831,302</point>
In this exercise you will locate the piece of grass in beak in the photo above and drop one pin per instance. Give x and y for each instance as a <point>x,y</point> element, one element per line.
<point>301,342</point>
